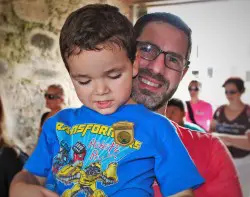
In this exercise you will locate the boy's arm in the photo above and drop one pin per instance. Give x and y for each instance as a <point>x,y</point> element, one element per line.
<point>26,184</point>
<point>186,193</point>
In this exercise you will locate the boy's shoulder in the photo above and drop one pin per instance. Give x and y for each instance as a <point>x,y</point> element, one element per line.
<point>68,112</point>
<point>156,118</point>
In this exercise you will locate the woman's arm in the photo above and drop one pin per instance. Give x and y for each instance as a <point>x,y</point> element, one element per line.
<point>242,141</point>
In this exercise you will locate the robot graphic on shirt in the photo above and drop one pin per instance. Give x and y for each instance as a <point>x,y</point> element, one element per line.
<point>85,179</point>
<point>62,157</point>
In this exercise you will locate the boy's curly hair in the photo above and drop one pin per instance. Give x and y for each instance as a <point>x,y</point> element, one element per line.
<point>95,24</point>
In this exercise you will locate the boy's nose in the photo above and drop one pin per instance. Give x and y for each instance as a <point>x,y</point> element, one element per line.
<point>101,88</point>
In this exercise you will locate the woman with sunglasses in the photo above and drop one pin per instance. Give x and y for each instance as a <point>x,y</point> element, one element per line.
<point>199,111</point>
<point>54,97</point>
<point>231,123</point>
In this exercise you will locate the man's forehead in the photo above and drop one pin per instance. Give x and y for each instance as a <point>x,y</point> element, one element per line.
<point>166,36</point>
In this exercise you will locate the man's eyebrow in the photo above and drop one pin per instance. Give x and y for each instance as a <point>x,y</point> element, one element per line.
<point>170,52</point>
<point>176,54</point>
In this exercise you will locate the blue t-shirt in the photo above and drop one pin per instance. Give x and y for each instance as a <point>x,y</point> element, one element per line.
<point>78,153</point>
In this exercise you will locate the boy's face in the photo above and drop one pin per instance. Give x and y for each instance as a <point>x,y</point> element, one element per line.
<point>102,79</point>
<point>175,114</point>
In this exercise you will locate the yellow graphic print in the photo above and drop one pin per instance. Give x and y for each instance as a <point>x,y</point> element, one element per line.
<point>85,180</point>
<point>88,157</point>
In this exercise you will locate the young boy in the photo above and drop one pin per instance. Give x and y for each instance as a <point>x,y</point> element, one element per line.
<point>111,146</point>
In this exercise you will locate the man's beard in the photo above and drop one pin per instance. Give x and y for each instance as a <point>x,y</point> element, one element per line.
<point>150,99</point>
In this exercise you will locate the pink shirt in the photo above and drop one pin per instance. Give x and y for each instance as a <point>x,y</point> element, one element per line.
<point>203,113</point>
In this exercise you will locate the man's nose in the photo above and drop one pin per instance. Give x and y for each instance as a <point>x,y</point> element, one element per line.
<point>158,65</point>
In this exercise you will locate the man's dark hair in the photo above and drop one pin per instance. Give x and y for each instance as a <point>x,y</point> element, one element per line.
<point>165,18</point>
<point>177,103</point>
<point>95,24</point>
<point>237,81</point>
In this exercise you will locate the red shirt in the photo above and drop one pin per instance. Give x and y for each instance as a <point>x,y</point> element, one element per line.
<point>213,162</point>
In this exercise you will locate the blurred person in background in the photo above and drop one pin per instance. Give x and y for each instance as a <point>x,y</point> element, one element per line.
<point>54,97</point>
<point>175,111</point>
<point>231,123</point>
<point>199,112</point>
<point>11,157</point>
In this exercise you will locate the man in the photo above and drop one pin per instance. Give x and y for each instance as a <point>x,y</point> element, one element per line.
<point>198,111</point>
<point>175,111</point>
<point>163,50</point>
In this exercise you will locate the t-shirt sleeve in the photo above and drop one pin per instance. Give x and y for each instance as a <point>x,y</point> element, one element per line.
<point>40,161</point>
<point>217,113</point>
<point>226,178</point>
<point>175,171</point>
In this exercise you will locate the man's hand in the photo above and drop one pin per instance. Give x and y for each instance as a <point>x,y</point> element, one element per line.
<point>186,193</point>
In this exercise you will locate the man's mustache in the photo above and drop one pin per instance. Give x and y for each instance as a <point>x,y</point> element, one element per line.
<point>149,73</point>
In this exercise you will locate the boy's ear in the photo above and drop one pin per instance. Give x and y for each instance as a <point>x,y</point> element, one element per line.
<point>135,67</point>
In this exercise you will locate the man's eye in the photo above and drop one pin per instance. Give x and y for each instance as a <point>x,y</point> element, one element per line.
<point>84,82</point>
<point>173,59</point>
<point>146,48</point>
<point>115,76</point>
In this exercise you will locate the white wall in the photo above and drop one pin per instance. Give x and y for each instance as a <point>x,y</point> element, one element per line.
<point>221,30</point>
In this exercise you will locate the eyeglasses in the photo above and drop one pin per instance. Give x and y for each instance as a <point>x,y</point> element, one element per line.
<point>196,89</point>
<point>51,96</point>
<point>172,60</point>
<point>230,92</point>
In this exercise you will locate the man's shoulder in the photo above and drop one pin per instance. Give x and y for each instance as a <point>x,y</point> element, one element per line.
<point>198,142</point>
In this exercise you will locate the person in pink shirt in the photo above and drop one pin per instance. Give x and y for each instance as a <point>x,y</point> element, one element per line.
<point>198,111</point>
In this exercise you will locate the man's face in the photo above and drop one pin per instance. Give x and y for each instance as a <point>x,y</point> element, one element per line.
<point>102,79</point>
<point>156,83</point>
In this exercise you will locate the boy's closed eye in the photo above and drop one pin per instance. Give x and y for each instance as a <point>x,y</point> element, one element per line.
<point>111,76</point>
<point>114,75</point>
<point>84,82</point>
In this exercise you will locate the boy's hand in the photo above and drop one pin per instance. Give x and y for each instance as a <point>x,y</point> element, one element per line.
<point>186,193</point>
<point>29,190</point>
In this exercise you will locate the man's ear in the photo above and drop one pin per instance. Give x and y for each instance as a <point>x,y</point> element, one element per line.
<point>135,67</point>
<point>184,72</point>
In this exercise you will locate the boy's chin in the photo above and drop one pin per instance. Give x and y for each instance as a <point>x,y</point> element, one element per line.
<point>107,111</point>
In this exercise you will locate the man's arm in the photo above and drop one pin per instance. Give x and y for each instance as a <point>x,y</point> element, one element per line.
<point>186,193</point>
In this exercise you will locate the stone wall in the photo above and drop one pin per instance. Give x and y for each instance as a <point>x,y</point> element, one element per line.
<point>30,60</point>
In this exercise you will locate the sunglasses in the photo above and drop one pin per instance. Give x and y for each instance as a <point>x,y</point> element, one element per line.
<point>196,89</point>
<point>51,96</point>
<point>231,92</point>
